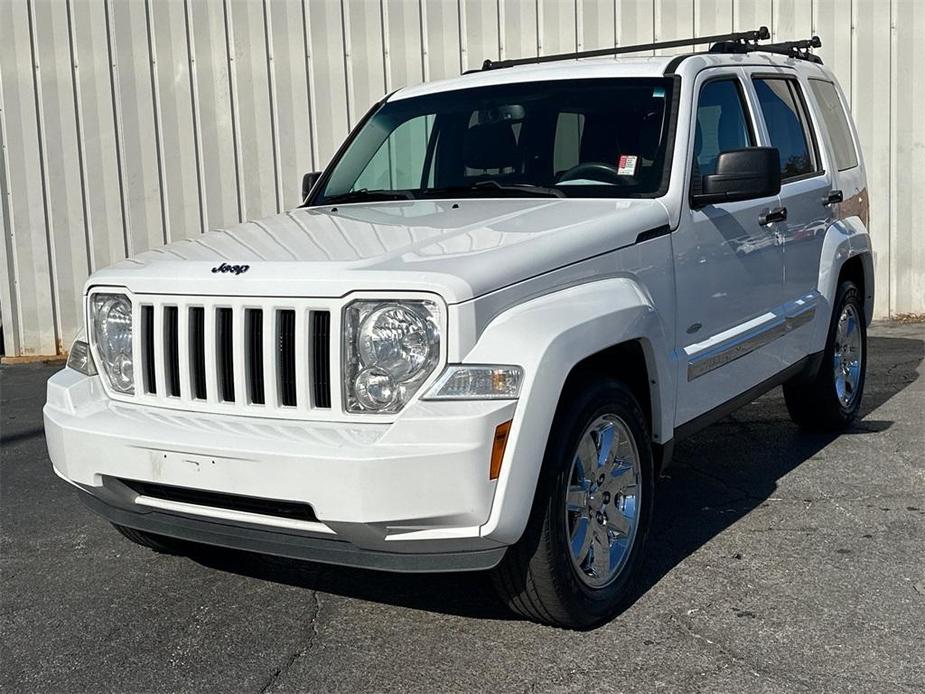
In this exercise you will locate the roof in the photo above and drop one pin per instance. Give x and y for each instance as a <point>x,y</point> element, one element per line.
<point>609,66</point>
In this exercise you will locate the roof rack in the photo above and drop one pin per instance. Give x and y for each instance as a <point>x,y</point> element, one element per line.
<point>801,50</point>
<point>743,38</point>
<point>736,42</point>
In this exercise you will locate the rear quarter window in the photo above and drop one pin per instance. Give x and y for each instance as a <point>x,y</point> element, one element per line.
<point>836,123</point>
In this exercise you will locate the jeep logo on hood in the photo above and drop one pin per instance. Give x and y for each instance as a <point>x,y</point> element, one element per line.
<point>236,269</point>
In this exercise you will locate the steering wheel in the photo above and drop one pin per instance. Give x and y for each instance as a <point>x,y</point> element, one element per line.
<point>596,171</point>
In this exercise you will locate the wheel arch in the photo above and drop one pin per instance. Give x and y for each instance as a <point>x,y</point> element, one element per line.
<point>606,326</point>
<point>847,254</point>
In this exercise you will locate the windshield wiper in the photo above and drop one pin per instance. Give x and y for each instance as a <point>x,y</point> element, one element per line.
<point>493,186</point>
<point>366,195</point>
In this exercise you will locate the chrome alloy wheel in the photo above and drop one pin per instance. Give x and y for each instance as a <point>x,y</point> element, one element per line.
<point>848,356</point>
<point>602,501</point>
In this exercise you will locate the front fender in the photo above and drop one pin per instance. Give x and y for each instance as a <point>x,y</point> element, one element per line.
<point>548,336</point>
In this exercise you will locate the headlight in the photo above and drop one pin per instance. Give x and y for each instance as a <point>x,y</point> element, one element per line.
<point>390,348</point>
<point>111,323</point>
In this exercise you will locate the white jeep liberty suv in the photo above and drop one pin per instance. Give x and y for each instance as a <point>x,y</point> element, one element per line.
<point>476,342</point>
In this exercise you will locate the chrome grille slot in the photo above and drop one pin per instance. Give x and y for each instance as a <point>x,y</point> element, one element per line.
<point>171,351</point>
<point>224,352</point>
<point>147,349</point>
<point>263,356</point>
<point>286,348</point>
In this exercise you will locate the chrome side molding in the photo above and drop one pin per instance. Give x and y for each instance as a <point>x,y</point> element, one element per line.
<point>756,338</point>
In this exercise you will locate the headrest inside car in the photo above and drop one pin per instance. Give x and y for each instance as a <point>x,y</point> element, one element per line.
<point>490,146</point>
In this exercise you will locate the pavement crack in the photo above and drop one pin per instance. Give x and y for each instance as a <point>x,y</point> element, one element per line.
<point>720,649</point>
<point>303,647</point>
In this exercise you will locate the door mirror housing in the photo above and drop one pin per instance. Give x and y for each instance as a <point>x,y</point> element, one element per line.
<point>308,182</point>
<point>741,174</point>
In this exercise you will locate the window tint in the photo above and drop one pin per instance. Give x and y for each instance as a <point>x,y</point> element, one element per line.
<point>787,124</point>
<point>836,123</point>
<point>721,124</point>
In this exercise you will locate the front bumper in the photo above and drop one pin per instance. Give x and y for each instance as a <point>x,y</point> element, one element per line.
<point>407,496</point>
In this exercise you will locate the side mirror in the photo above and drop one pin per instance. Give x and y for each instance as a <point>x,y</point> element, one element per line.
<point>741,174</point>
<point>308,182</point>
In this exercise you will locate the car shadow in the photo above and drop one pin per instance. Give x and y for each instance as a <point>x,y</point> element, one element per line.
<point>699,497</point>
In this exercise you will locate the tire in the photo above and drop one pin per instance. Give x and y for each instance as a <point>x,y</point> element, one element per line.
<point>159,543</point>
<point>540,577</point>
<point>831,400</point>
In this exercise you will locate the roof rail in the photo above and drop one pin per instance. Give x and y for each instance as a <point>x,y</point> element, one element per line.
<point>748,40</point>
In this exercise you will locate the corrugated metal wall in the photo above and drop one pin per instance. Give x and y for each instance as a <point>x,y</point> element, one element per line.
<point>128,123</point>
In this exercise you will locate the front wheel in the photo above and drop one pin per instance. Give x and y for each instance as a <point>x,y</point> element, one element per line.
<point>576,564</point>
<point>832,399</point>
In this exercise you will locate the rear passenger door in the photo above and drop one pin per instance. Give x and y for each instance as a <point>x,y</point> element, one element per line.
<point>805,184</point>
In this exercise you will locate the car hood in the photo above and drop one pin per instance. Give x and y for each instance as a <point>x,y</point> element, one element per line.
<point>460,249</point>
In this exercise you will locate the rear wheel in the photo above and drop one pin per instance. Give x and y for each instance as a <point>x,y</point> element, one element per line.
<point>832,399</point>
<point>159,543</point>
<point>576,564</point>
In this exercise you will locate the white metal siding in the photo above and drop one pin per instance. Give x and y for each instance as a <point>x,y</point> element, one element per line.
<point>128,123</point>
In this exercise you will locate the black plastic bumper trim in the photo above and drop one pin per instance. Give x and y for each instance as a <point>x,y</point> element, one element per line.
<point>289,544</point>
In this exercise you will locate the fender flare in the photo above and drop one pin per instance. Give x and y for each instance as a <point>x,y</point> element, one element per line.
<point>844,239</point>
<point>548,336</point>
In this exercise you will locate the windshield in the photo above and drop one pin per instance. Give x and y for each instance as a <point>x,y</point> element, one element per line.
<point>578,138</point>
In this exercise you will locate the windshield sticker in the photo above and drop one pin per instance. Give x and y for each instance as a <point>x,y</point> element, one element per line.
<point>627,165</point>
<point>658,93</point>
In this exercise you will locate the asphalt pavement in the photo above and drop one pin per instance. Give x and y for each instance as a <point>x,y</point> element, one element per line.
<point>779,562</point>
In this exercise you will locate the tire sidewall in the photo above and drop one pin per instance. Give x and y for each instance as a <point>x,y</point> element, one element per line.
<point>847,293</point>
<point>604,397</point>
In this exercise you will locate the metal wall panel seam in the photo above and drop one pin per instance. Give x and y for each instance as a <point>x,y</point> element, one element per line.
<point>617,24</point>
<point>386,48</point>
<point>463,39</point>
<point>274,105</point>
<point>539,27</point>
<point>197,120</point>
<point>892,262</point>
<point>11,310</point>
<point>127,240</point>
<point>502,39</point>
<point>578,9</point>
<point>43,164</point>
<point>89,242</point>
<point>158,123</point>
<point>235,118</point>
<point>425,51</point>
<point>348,64</point>
<point>310,76</point>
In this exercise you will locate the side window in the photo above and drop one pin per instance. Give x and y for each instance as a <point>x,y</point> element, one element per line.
<point>721,124</point>
<point>836,123</point>
<point>788,125</point>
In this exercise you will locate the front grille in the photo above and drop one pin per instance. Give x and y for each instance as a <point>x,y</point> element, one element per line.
<point>232,502</point>
<point>259,358</point>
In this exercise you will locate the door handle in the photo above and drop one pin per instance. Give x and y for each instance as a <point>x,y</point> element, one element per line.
<point>833,197</point>
<point>778,214</point>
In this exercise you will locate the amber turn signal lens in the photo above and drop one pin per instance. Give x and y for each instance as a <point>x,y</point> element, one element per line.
<point>497,449</point>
